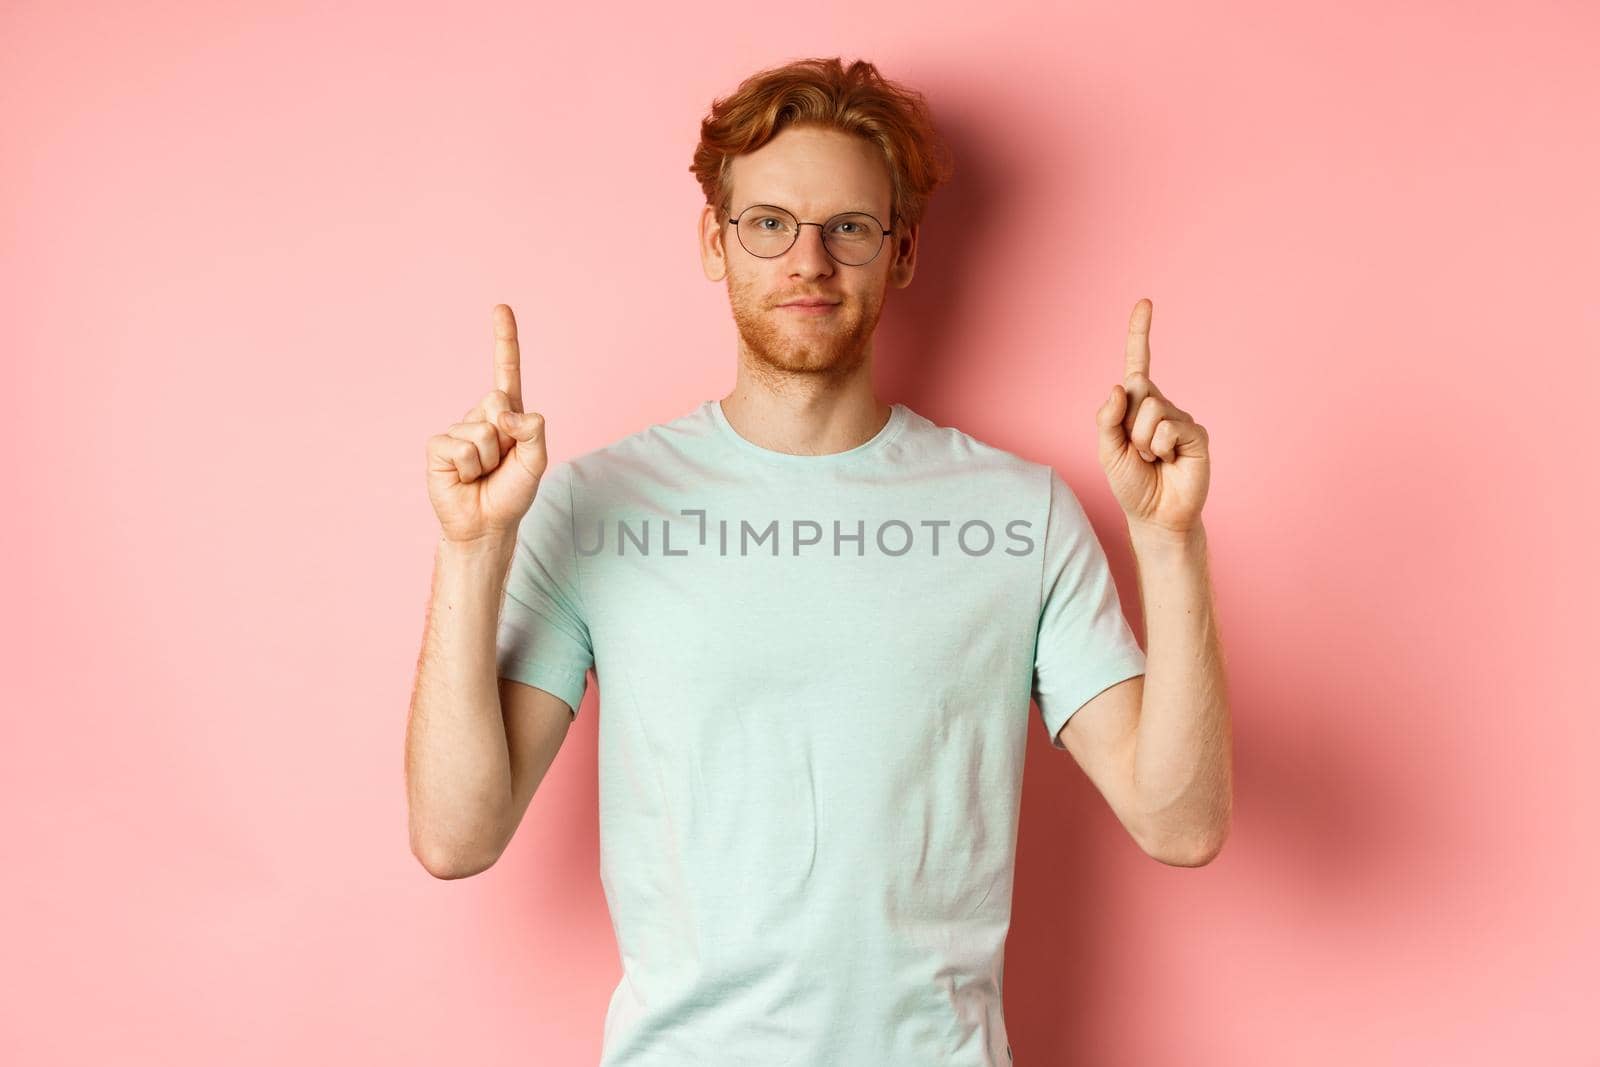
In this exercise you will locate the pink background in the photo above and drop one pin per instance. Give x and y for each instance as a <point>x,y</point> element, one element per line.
<point>248,263</point>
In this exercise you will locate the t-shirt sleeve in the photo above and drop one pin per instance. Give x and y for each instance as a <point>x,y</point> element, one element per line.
<point>543,637</point>
<point>1085,644</point>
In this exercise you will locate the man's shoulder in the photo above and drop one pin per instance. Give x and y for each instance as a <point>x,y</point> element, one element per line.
<point>640,456</point>
<point>963,451</point>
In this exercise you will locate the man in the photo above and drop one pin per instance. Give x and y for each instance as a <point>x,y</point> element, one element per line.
<point>818,620</point>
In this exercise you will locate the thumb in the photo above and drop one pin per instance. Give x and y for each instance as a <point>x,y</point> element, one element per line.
<point>527,428</point>
<point>523,425</point>
<point>1113,435</point>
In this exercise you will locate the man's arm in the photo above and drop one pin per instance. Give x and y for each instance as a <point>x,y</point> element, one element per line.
<point>458,766</point>
<point>1159,747</point>
<point>477,746</point>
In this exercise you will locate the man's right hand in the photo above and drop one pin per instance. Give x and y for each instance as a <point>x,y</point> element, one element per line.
<point>483,472</point>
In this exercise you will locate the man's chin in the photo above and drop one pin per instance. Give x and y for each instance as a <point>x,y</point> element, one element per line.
<point>813,362</point>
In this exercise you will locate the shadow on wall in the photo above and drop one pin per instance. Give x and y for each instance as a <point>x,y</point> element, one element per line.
<point>911,347</point>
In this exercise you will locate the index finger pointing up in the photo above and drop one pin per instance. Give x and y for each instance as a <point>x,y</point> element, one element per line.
<point>507,356</point>
<point>1138,350</point>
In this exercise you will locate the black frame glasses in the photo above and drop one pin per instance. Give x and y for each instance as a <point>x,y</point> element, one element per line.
<point>823,226</point>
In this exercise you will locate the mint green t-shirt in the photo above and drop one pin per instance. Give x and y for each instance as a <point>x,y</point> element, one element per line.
<point>815,676</point>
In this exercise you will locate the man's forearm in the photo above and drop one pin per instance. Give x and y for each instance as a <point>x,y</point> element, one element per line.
<point>458,767</point>
<point>1183,759</point>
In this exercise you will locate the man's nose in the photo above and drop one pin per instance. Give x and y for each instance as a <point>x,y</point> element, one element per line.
<point>808,256</point>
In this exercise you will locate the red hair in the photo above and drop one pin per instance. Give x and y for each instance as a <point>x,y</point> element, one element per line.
<point>824,92</point>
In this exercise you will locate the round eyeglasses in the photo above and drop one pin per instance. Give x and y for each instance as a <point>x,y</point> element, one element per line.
<point>852,238</point>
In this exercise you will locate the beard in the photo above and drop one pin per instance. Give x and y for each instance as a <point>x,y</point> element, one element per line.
<point>783,343</point>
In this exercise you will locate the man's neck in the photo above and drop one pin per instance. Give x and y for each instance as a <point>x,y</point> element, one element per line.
<point>805,422</point>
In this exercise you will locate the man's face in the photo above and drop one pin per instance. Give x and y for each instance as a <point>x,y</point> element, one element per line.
<point>814,174</point>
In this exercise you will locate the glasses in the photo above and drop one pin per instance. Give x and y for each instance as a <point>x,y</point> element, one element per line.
<point>852,238</point>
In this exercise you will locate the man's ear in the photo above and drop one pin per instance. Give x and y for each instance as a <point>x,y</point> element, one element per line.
<point>713,255</point>
<point>905,255</point>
